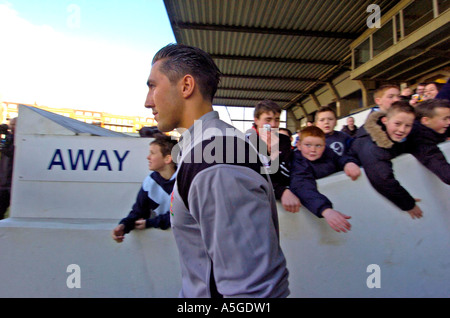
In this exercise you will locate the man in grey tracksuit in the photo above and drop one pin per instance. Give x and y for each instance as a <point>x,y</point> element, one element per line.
<point>223,210</point>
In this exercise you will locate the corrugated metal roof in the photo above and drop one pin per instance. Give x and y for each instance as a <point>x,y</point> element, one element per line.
<point>274,49</point>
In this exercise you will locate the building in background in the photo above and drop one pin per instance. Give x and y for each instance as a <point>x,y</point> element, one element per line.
<point>119,123</point>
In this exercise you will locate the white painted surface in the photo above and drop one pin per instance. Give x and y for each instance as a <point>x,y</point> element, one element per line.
<point>103,186</point>
<point>413,255</point>
<point>360,119</point>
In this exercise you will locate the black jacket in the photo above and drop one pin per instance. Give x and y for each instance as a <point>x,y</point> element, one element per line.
<point>280,177</point>
<point>349,132</point>
<point>423,143</point>
<point>375,150</point>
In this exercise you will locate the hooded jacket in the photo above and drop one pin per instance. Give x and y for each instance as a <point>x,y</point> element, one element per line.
<point>375,150</point>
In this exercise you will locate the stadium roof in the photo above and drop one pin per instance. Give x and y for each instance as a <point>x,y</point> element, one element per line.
<point>281,50</point>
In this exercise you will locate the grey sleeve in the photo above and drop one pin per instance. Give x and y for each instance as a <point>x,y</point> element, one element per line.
<point>234,207</point>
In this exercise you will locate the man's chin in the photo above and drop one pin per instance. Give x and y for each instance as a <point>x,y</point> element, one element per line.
<point>162,127</point>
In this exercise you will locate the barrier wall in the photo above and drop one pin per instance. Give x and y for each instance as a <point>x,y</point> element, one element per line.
<point>56,224</point>
<point>412,256</point>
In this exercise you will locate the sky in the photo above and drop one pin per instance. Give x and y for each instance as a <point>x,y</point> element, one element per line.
<point>90,55</point>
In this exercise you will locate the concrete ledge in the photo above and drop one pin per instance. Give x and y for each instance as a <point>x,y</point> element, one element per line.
<point>36,255</point>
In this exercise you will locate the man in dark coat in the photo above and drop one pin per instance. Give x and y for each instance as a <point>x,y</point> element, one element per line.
<point>6,169</point>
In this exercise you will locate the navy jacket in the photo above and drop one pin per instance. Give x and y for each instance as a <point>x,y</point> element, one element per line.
<point>304,174</point>
<point>152,203</point>
<point>375,150</point>
<point>339,142</point>
<point>444,92</point>
<point>349,132</point>
<point>424,146</point>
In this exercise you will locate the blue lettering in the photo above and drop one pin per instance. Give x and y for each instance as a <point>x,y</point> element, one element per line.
<point>121,159</point>
<point>57,163</point>
<point>85,159</point>
<point>105,163</point>
<point>80,154</point>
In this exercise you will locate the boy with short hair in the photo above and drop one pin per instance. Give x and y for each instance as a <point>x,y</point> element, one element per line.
<point>314,160</point>
<point>151,208</point>
<point>385,95</point>
<point>381,139</point>
<point>338,141</point>
<point>432,122</point>
<point>268,112</point>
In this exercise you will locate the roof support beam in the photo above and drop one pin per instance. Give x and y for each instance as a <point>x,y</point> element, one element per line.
<point>230,28</point>
<point>336,98</point>
<point>250,89</point>
<point>300,106</point>
<point>250,99</point>
<point>367,87</point>
<point>315,100</point>
<point>276,78</point>
<point>272,59</point>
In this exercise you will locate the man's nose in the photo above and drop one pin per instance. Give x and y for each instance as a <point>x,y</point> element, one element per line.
<point>149,103</point>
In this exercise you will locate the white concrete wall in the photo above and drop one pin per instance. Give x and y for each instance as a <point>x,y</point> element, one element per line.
<point>360,119</point>
<point>412,255</point>
<point>35,255</point>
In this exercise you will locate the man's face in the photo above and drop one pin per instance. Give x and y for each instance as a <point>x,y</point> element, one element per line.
<point>311,147</point>
<point>389,96</point>
<point>350,121</point>
<point>430,91</point>
<point>164,99</point>
<point>271,118</point>
<point>420,90</point>
<point>399,125</point>
<point>155,158</point>
<point>440,121</point>
<point>326,121</point>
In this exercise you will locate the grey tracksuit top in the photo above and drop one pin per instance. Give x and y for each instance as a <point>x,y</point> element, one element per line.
<point>224,216</point>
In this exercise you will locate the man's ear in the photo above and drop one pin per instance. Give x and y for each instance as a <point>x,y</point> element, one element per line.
<point>188,85</point>
<point>377,100</point>
<point>168,159</point>
<point>424,120</point>
<point>384,120</point>
<point>256,121</point>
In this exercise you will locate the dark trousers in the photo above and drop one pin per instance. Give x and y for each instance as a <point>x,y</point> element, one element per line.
<point>5,196</point>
